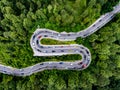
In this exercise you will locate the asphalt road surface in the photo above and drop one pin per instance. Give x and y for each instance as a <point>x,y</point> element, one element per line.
<point>58,50</point>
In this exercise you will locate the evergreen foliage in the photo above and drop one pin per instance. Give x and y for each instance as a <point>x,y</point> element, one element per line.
<point>20,18</point>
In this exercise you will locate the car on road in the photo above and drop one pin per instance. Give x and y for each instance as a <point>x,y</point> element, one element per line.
<point>41,47</point>
<point>37,42</point>
<point>54,66</point>
<point>38,50</point>
<point>61,46</point>
<point>93,25</point>
<point>59,35</point>
<point>21,70</point>
<point>68,34</point>
<point>41,63</point>
<point>80,63</point>
<point>39,37</point>
<point>81,47</point>
<point>53,51</point>
<point>62,50</point>
<point>5,71</point>
<point>84,56</point>
<point>33,44</point>
<point>112,16</point>
<point>87,51</point>
<point>46,31</point>
<point>70,50</point>
<point>100,20</point>
<point>45,51</point>
<point>84,66</point>
<point>98,27</point>
<point>81,52</point>
<point>76,51</point>
<point>22,73</point>
<point>45,35</point>
<point>71,64</point>
<point>34,37</point>
<point>60,62</point>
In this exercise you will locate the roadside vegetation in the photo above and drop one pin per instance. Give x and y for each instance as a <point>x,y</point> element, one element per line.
<point>45,41</point>
<point>20,18</point>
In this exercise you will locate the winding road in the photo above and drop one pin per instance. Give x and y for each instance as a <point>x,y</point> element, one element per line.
<point>58,50</point>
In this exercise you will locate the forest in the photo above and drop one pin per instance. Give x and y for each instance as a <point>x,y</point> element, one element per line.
<point>20,18</point>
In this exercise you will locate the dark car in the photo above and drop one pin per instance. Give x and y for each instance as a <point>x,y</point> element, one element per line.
<point>98,27</point>
<point>100,20</point>
<point>37,41</point>
<point>112,16</point>
<point>41,47</point>
<point>80,63</point>
<point>45,35</point>
<point>5,71</point>
<point>38,50</point>
<point>53,51</point>
<point>61,63</point>
<point>22,73</point>
<point>87,51</point>
<point>68,34</point>
<point>93,25</point>
<point>81,47</point>
<point>84,56</point>
<point>85,34</point>
<point>34,37</point>
<point>81,51</point>
<point>54,66</point>
<point>41,63</point>
<point>75,68</point>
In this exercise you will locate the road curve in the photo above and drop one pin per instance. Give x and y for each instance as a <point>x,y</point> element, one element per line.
<point>55,50</point>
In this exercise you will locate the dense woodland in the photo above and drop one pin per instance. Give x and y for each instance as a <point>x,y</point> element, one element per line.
<point>20,18</point>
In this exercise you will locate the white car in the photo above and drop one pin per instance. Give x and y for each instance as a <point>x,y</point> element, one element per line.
<point>33,44</point>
